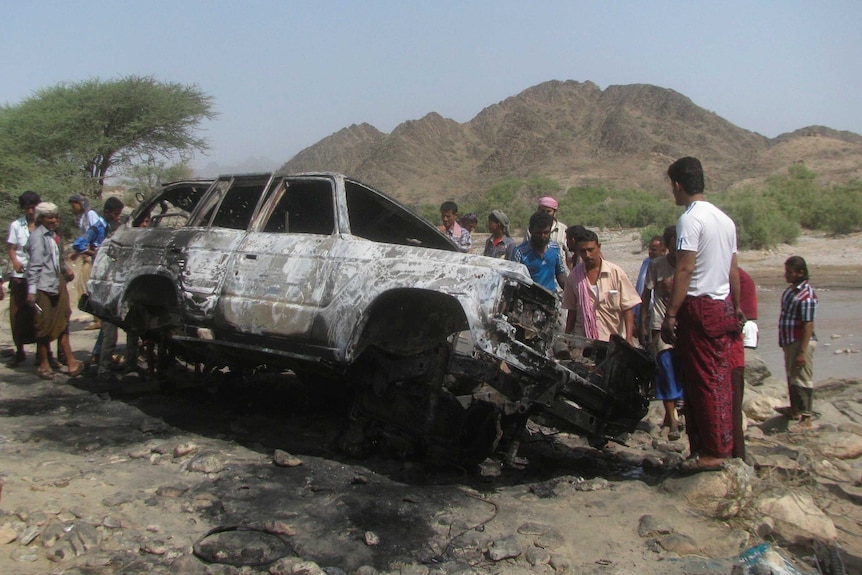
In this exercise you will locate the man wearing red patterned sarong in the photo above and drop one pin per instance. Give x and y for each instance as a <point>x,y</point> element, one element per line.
<point>702,317</point>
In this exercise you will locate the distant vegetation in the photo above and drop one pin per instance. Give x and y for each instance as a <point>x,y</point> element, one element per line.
<point>765,216</point>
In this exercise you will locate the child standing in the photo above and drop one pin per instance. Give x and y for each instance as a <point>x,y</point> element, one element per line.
<point>796,337</point>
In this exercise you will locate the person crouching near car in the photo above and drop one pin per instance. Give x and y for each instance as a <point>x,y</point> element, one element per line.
<point>47,275</point>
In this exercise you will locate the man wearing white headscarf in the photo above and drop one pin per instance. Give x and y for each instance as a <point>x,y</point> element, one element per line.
<point>46,290</point>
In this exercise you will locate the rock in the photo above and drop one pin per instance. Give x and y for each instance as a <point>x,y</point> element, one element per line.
<point>531,528</point>
<point>285,459</point>
<point>29,534</point>
<point>171,491</point>
<point>756,371</point>
<point>7,535</point>
<point>650,526</point>
<point>537,556</point>
<point>371,538</point>
<point>295,566</point>
<point>279,528</point>
<point>798,519</point>
<point>206,463</point>
<point>414,569</point>
<point>117,499</point>
<point>680,544</point>
<point>141,452</point>
<point>490,468</point>
<point>560,564</point>
<point>185,449</point>
<point>24,555</point>
<point>188,565</point>
<point>835,444</point>
<point>37,518</point>
<point>154,547</point>
<point>367,570</point>
<point>83,537</point>
<point>61,552</point>
<point>597,484</point>
<point>764,526</point>
<point>504,548</point>
<point>761,407</point>
<point>549,540</point>
<point>112,522</point>
<point>52,533</point>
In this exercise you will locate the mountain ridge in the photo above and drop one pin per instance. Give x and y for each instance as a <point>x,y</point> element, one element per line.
<point>579,135</point>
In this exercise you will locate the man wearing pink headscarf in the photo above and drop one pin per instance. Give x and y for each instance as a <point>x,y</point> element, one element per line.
<point>549,205</point>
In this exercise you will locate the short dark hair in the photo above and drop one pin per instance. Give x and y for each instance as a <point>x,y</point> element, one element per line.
<point>669,236</point>
<point>659,238</point>
<point>449,207</point>
<point>540,220</point>
<point>29,198</point>
<point>574,231</point>
<point>588,236</point>
<point>113,204</point>
<point>688,173</point>
<point>797,264</point>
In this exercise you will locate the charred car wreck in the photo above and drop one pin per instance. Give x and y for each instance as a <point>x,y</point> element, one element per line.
<point>444,352</point>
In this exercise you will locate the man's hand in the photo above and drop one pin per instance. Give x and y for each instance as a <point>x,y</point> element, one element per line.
<point>643,335</point>
<point>69,275</point>
<point>668,330</point>
<point>742,319</point>
<point>800,359</point>
<point>31,299</point>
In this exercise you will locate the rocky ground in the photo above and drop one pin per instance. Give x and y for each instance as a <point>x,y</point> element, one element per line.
<point>215,478</point>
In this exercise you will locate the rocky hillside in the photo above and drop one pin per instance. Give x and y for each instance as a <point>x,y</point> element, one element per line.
<point>577,134</point>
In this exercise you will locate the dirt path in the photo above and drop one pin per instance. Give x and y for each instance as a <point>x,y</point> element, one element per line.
<point>143,474</point>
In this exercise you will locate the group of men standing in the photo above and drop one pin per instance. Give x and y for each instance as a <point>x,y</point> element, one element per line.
<point>693,304</point>
<point>40,309</point>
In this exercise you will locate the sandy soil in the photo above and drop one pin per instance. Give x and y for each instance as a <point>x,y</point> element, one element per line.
<point>156,470</point>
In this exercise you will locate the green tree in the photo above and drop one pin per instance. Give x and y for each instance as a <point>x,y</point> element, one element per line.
<point>97,129</point>
<point>147,178</point>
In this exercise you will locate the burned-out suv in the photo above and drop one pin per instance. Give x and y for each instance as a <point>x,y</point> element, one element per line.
<point>318,273</point>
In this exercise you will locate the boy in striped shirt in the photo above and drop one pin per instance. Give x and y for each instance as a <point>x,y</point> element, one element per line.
<point>796,337</point>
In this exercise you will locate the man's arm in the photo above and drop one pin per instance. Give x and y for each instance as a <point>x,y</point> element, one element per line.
<point>561,279</point>
<point>571,318</point>
<point>685,261</point>
<point>629,321</point>
<point>807,332</point>
<point>734,290</point>
<point>646,299</point>
<point>13,259</point>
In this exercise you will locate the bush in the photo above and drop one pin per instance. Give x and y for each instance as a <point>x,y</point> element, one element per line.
<point>760,222</point>
<point>765,216</point>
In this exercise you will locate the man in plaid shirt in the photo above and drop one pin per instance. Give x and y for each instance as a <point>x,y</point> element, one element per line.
<point>796,337</point>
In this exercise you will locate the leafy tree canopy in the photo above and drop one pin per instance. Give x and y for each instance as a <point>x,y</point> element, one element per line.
<point>96,128</point>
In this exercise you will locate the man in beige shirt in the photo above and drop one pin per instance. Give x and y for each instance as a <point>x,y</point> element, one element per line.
<point>598,295</point>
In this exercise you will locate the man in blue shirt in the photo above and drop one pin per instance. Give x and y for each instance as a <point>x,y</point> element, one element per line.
<point>543,258</point>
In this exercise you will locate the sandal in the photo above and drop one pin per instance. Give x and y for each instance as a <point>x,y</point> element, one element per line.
<point>674,435</point>
<point>695,465</point>
<point>788,411</point>
<point>78,370</point>
<point>45,374</point>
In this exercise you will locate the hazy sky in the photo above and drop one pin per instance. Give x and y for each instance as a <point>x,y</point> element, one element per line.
<point>285,74</point>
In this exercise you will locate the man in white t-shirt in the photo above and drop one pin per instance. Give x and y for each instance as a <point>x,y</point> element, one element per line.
<point>703,317</point>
